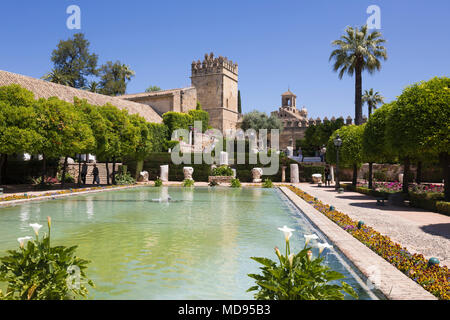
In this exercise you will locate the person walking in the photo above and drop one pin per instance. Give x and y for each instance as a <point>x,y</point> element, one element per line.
<point>84,171</point>
<point>323,151</point>
<point>327,176</point>
<point>95,173</point>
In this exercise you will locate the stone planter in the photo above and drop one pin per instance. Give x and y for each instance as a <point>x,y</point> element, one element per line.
<point>220,179</point>
<point>396,199</point>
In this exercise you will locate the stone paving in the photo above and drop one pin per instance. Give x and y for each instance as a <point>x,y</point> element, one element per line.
<point>418,230</point>
<point>380,273</point>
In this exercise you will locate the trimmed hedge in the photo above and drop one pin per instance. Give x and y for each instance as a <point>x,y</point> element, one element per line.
<point>202,171</point>
<point>367,191</point>
<point>443,207</point>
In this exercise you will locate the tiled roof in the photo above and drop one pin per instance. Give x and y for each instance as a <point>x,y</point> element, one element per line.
<point>153,93</point>
<point>288,93</point>
<point>45,89</point>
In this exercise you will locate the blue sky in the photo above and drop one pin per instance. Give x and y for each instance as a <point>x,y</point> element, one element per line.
<point>276,43</point>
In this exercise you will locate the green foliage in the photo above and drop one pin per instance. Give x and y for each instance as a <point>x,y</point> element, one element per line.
<point>188,183</point>
<point>235,183</point>
<point>171,144</point>
<point>418,121</point>
<point>222,171</point>
<point>443,207</point>
<point>114,78</point>
<point>153,89</point>
<point>425,200</point>
<point>350,152</point>
<point>38,271</point>
<point>298,277</point>
<point>68,177</point>
<point>176,120</point>
<point>239,102</point>
<point>306,171</point>
<point>267,183</point>
<point>73,63</point>
<point>372,99</point>
<point>125,179</point>
<point>158,182</point>
<point>199,115</point>
<point>198,106</point>
<point>18,125</point>
<point>318,135</point>
<point>374,142</point>
<point>213,183</point>
<point>357,51</point>
<point>257,120</point>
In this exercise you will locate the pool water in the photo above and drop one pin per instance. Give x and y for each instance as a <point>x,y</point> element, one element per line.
<point>197,247</point>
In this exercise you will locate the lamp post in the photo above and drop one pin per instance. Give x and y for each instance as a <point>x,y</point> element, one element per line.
<point>337,143</point>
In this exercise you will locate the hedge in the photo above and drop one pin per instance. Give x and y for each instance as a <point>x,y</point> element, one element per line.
<point>202,171</point>
<point>367,191</point>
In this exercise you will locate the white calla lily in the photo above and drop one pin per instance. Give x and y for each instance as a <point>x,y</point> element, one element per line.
<point>287,232</point>
<point>36,227</point>
<point>24,240</point>
<point>310,237</point>
<point>322,246</point>
<point>291,259</point>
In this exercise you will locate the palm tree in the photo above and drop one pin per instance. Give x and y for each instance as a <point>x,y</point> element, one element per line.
<point>56,76</point>
<point>356,51</point>
<point>372,99</point>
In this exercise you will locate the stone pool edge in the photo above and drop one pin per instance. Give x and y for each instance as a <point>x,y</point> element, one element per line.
<point>44,198</point>
<point>394,284</point>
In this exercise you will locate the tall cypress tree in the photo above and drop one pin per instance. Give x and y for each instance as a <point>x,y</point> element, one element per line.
<point>239,101</point>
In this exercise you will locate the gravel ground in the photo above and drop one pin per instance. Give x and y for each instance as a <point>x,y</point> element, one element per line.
<point>418,230</point>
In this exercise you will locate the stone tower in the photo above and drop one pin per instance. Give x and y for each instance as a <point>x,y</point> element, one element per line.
<point>216,82</point>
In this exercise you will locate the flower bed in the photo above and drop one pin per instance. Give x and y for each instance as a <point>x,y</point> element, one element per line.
<point>49,194</point>
<point>435,279</point>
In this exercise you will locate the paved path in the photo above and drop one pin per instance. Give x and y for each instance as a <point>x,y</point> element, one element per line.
<point>418,230</point>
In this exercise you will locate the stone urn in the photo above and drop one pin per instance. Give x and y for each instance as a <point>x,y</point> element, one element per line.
<point>257,173</point>
<point>317,178</point>
<point>188,171</point>
<point>143,176</point>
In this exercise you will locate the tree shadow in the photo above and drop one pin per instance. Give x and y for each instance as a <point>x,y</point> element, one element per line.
<point>440,229</point>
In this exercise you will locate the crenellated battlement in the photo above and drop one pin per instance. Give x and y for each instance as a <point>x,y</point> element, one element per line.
<point>304,123</point>
<point>211,64</point>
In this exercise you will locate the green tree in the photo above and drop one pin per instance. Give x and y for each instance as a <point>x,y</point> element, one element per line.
<point>18,127</point>
<point>73,62</point>
<point>114,78</point>
<point>350,153</point>
<point>200,115</point>
<point>372,99</point>
<point>198,106</point>
<point>357,51</point>
<point>153,89</point>
<point>121,137</point>
<point>318,135</point>
<point>239,102</point>
<point>418,124</point>
<point>257,120</point>
<point>64,130</point>
<point>374,143</point>
<point>57,76</point>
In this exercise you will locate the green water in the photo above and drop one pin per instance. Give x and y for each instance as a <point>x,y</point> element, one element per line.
<point>195,248</point>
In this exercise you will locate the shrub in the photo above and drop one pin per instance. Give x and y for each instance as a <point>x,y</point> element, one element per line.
<point>267,183</point>
<point>235,183</point>
<point>188,183</point>
<point>380,175</point>
<point>306,171</point>
<point>213,183</point>
<point>425,200</point>
<point>222,171</point>
<point>124,179</point>
<point>443,207</point>
<point>298,277</point>
<point>158,182</point>
<point>38,271</point>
